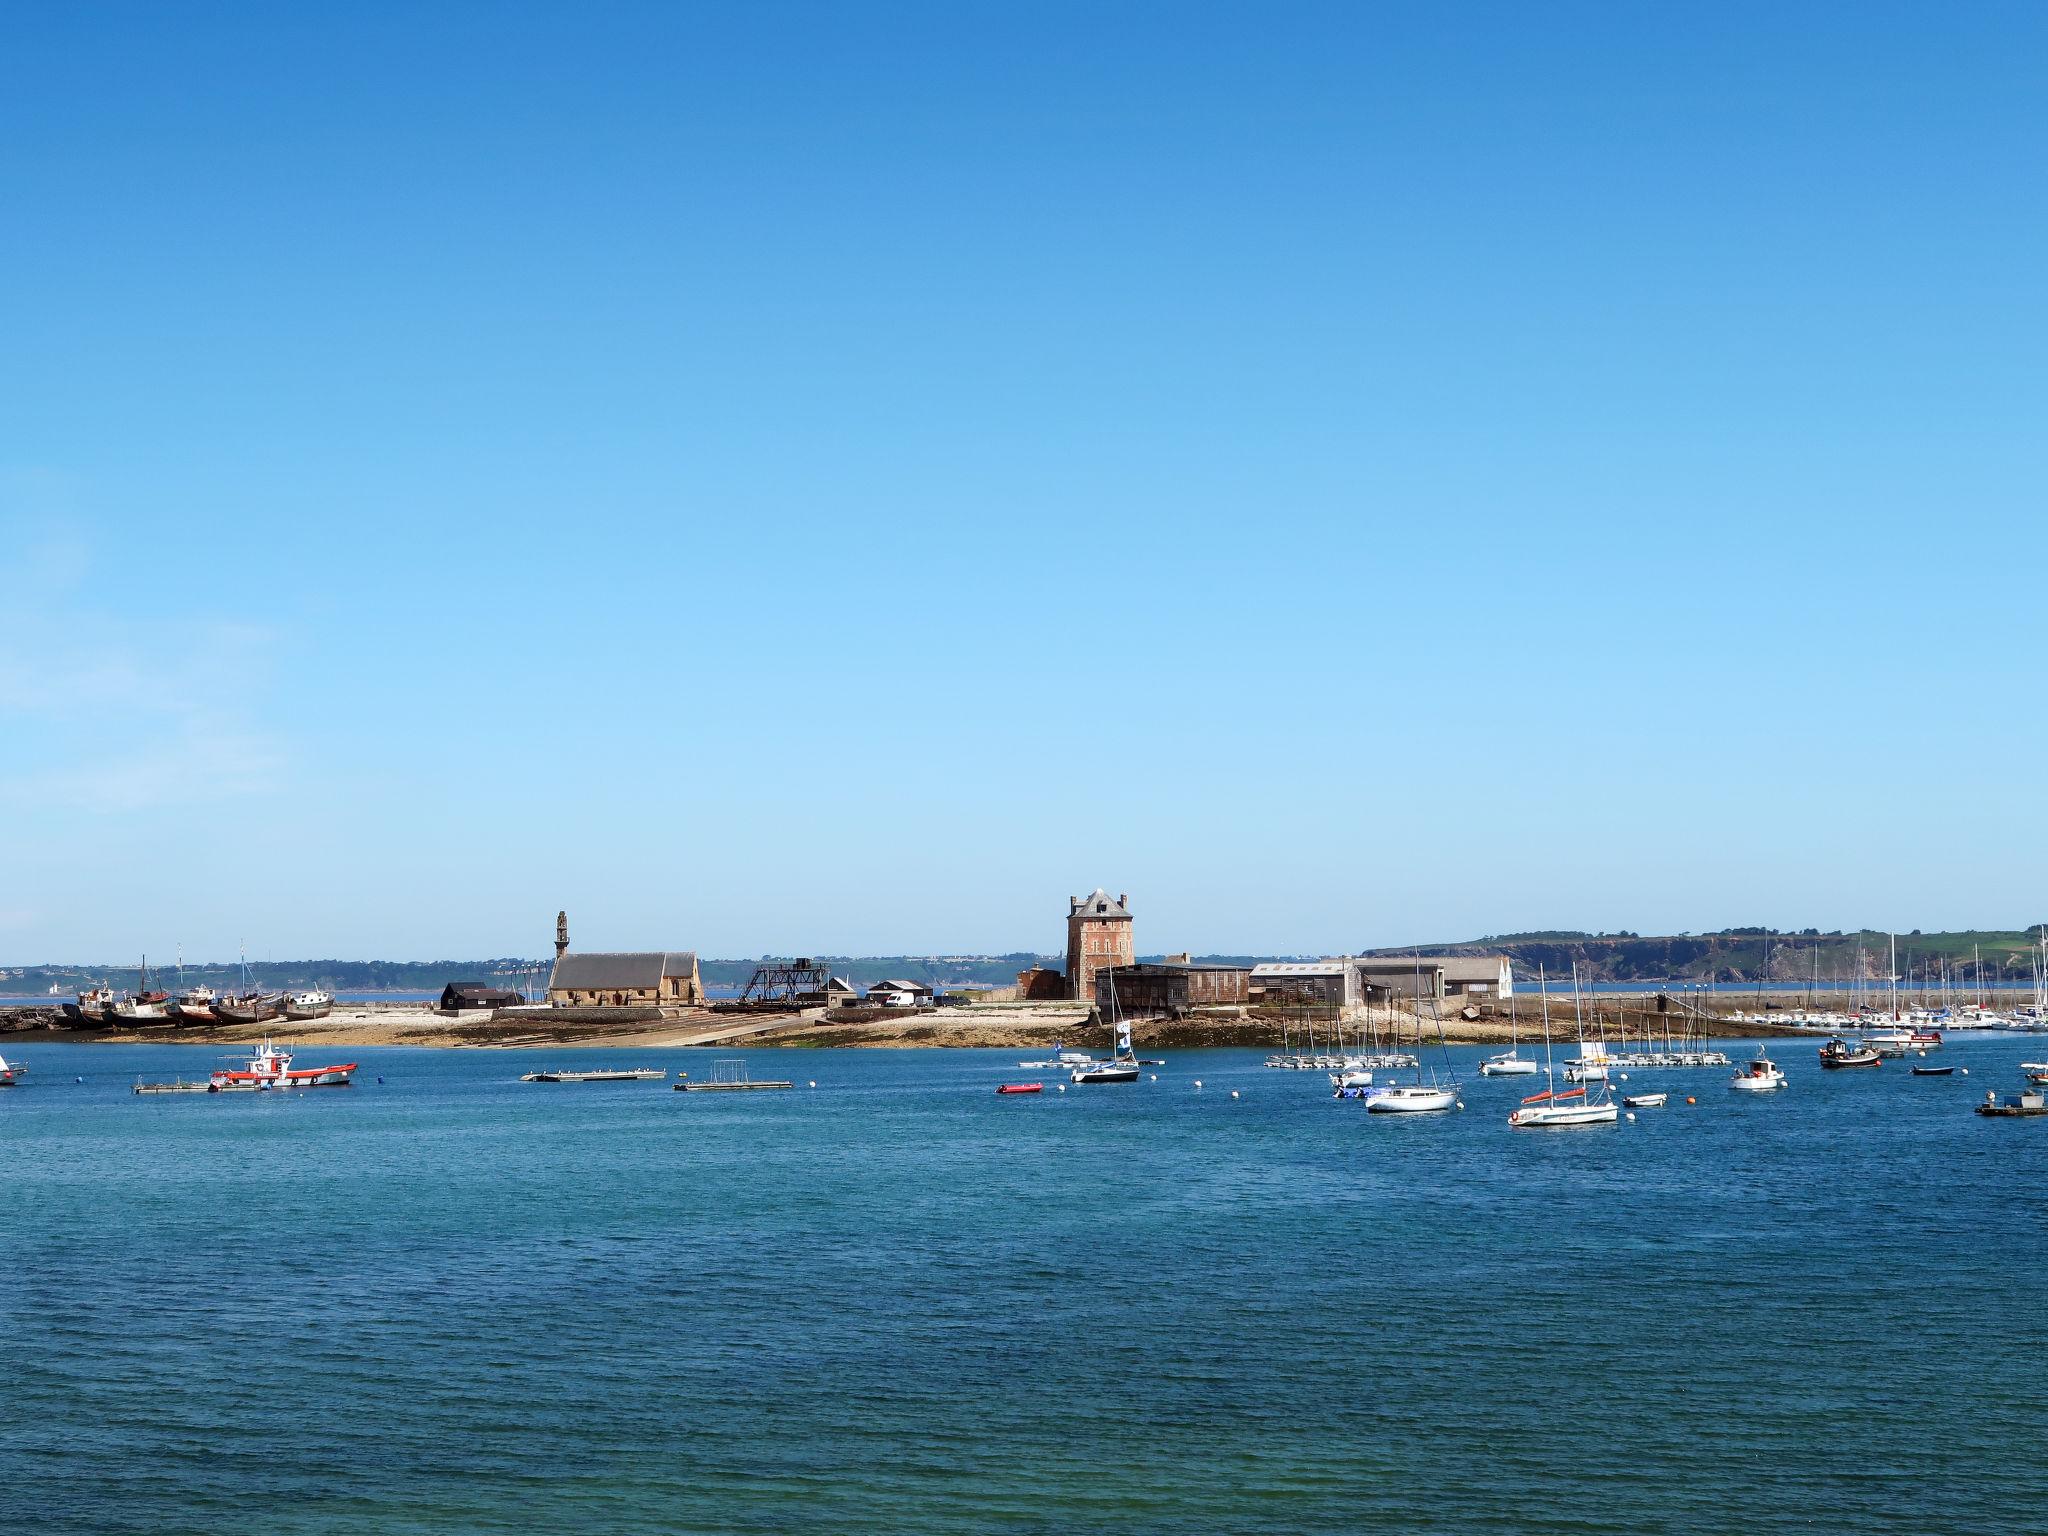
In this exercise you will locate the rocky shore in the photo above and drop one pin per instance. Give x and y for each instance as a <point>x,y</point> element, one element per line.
<point>1005,1025</point>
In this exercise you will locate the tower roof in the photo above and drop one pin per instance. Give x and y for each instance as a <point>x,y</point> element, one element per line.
<point>1101,904</point>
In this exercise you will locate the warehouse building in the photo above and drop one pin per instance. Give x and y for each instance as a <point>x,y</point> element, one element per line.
<point>1170,989</point>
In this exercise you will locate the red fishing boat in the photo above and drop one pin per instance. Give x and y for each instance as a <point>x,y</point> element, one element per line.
<point>271,1067</point>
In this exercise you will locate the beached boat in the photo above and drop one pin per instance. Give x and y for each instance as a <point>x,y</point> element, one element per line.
<point>600,1075</point>
<point>194,1007</point>
<point>253,1008</point>
<point>308,1005</point>
<point>2032,1102</point>
<point>90,1011</point>
<point>1002,1088</point>
<point>1759,1074</point>
<point>271,1067</point>
<point>1847,1053</point>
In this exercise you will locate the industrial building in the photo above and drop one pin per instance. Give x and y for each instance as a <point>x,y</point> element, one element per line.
<point>1170,989</point>
<point>1442,976</point>
<point>900,994</point>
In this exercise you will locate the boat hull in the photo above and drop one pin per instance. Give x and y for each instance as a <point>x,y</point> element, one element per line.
<point>245,1013</point>
<point>301,1015</point>
<point>1517,1067</point>
<point>1539,1117</point>
<point>1106,1075</point>
<point>1398,1101</point>
<point>1007,1088</point>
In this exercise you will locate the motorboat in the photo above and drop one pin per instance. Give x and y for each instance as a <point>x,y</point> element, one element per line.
<point>1926,1039</point>
<point>1923,1071</point>
<point>1351,1077</point>
<point>1509,1064</point>
<point>1003,1088</point>
<point>1551,1108</point>
<point>1412,1099</point>
<point>271,1067</point>
<point>10,1072</point>
<point>600,1075</point>
<point>1644,1100</point>
<point>1847,1053</point>
<point>1759,1074</point>
<point>302,1006</point>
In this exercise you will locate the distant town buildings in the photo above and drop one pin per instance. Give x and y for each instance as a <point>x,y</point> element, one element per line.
<point>1098,935</point>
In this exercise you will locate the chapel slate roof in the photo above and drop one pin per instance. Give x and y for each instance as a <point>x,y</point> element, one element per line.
<point>619,971</point>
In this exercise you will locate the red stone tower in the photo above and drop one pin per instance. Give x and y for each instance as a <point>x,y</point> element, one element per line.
<point>1098,936</point>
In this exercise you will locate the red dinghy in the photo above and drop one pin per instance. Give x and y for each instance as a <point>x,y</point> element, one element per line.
<point>1021,1088</point>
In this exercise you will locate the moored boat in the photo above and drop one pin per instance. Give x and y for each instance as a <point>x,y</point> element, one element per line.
<point>1552,1108</point>
<point>1020,1088</point>
<point>271,1067</point>
<point>1920,1071</point>
<point>1759,1074</point>
<point>1847,1053</point>
<point>10,1072</point>
<point>2032,1102</point>
<point>1645,1100</point>
<point>1509,1064</point>
<point>600,1075</point>
<point>1412,1099</point>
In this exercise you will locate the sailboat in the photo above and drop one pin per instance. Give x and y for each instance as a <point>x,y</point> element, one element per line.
<point>1419,1097</point>
<point>1574,1106</point>
<point>1122,1066</point>
<point>1509,1063</point>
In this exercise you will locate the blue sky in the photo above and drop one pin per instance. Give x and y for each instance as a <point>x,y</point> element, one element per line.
<point>844,478</point>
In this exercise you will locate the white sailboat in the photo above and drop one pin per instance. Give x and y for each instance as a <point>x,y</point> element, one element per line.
<point>1419,1097</point>
<point>1510,1062</point>
<point>1122,1066</point>
<point>1574,1106</point>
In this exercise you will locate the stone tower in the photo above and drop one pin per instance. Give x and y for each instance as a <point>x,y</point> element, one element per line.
<point>561,934</point>
<point>1098,936</point>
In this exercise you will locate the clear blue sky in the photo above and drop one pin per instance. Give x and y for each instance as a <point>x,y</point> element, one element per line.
<point>778,477</point>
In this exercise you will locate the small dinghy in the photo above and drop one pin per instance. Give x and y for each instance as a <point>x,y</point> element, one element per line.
<point>1020,1088</point>
<point>1644,1100</point>
<point>1934,1071</point>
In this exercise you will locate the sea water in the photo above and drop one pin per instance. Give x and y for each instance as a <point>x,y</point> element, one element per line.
<point>443,1300</point>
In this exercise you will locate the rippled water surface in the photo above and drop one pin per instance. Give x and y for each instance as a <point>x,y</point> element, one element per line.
<point>447,1301</point>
